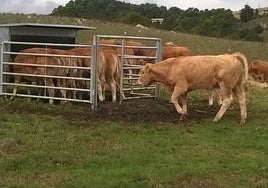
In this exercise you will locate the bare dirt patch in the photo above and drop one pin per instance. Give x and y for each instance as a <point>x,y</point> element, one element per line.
<point>142,110</point>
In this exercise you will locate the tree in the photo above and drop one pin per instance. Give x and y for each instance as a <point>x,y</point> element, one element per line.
<point>246,14</point>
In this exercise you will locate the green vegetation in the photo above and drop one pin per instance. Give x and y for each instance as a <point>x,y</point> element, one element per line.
<point>247,14</point>
<point>214,23</point>
<point>61,146</point>
<point>138,143</point>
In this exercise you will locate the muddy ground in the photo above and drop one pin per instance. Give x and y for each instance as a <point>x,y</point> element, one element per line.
<point>142,110</point>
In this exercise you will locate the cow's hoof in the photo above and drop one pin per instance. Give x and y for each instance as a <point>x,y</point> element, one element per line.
<point>242,121</point>
<point>215,120</point>
<point>101,99</point>
<point>183,117</point>
<point>63,102</point>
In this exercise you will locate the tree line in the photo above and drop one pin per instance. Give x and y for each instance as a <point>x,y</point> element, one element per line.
<point>215,22</point>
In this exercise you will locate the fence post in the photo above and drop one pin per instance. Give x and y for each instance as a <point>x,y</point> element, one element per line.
<point>158,58</point>
<point>1,67</point>
<point>121,91</point>
<point>94,73</point>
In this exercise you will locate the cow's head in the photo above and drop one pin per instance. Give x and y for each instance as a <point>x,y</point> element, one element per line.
<point>145,75</point>
<point>251,67</point>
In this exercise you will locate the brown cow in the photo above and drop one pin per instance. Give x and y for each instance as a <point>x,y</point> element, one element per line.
<point>23,69</point>
<point>69,68</point>
<point>109,72</point>
<point>51,72</point>
<point>135,46</point>
<point>169,51</point>
<point>181,75</point>
<point>174,51</point>
<point>40,60</point>
<point>259,70</point>
<point>108,69</point>
<point>85,63</point>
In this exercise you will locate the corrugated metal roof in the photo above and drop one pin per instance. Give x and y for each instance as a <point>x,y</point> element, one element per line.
<point>76,27</point>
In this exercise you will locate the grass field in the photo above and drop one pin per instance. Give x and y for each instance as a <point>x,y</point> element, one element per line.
<point>139,143</point>
<point>70,146</point>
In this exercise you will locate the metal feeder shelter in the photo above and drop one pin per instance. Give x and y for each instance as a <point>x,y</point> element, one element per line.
<point>19,36</point>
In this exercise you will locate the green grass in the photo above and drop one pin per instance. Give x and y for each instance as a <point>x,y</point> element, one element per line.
<point>69,145</point>
<point>42,147</point>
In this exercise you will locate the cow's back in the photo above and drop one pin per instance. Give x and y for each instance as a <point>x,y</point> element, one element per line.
<point>204,72</point>
<point>174,51</point>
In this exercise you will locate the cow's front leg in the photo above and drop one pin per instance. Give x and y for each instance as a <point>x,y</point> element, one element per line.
<point>175,100</point>
<point>51,91</point>
<point>183,99</point>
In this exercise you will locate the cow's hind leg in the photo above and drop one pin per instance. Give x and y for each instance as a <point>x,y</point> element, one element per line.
<point>17,80</point>
<point>241,96</point>
<point>226,101</point>
<point>112,84</point>
<point>113,91</point>
<point>101,89</point>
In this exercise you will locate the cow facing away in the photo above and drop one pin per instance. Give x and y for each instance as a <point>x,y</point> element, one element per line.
<point>181,75</point>
<point>108,69</point>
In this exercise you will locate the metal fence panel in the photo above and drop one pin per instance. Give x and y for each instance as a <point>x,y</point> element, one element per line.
<point>129,88</point>
<point>59,80</point>
<point>30,86</point>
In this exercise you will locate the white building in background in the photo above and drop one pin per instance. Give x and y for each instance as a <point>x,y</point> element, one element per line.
<point>262,11</point>
<point>157,20</point>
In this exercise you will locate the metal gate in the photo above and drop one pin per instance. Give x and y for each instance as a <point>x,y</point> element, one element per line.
<point>129,88</point>
<point>62,82</point>
<point>47,78</point>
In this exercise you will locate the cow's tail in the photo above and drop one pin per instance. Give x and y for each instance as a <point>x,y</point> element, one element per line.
<point>242,58</point>
<point>118,74</point>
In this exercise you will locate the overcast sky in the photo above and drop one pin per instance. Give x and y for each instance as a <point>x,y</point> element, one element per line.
<point>46,6</point>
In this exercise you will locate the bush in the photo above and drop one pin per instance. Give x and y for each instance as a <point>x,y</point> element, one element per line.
<point>135,18</point>
<point>259,28</point>
<point>250,35</point>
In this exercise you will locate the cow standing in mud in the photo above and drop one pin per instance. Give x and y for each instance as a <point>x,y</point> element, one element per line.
<point>180,75</point>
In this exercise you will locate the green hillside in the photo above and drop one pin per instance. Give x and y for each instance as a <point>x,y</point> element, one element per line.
<point>197,44</point>
<point>218,22</point>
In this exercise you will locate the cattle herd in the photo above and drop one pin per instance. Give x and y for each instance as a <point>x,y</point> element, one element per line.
<point>227,75</point>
